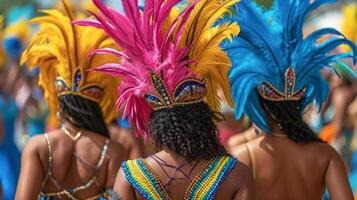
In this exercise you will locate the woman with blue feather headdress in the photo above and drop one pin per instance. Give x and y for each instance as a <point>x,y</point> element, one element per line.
<point>275,75</point>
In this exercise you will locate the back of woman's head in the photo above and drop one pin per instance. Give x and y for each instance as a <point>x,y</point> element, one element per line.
<point>83,113</point>
<point>288,116</point>
<point>188,131</point>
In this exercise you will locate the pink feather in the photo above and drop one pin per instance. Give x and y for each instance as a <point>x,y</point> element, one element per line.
<point>110,51</point>
<point>144,48</point>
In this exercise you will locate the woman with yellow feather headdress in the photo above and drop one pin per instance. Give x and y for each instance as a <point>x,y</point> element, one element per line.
<point>172,68</point>
<point>76,161</point>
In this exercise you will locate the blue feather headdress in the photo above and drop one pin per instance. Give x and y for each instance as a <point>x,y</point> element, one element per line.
<point>271,59</point>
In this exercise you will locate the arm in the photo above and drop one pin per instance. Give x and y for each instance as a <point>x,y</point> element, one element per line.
<point>336,179</point>
<point>134,147</point>
<point>123,188</point>
<point>114,163</point>
<point>32,172</point>
<point>246,189</point>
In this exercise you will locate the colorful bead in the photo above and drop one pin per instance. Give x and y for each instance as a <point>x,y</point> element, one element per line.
<point>189,91</point>
<point>204,186</point>
<point>76,81</point>
<point>269,92</point>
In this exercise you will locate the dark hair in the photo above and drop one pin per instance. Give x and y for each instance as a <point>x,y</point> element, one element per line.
<point>83,113</point>
<point>288,116</point>
<point>189,131</point>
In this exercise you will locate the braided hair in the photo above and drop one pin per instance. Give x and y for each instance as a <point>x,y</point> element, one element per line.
<point>83,113</point>
<point>189,131</point>
<point>288,116</point>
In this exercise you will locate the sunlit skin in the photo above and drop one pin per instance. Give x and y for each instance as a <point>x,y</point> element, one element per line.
<point>66,169</point>
<point>243,137</point>
<point>243,189</point>
<point>288,170</point>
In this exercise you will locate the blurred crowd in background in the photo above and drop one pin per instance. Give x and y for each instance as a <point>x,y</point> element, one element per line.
<point>24,112</point>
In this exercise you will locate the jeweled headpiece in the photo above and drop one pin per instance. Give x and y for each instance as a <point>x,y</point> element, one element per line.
<point>271,58</point>
<point>169,57</point>
<point>60,49</point>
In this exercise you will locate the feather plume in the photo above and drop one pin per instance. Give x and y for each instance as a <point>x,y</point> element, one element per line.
<point>59,48</point>
<point>157,41</point>
<point>269,43</point>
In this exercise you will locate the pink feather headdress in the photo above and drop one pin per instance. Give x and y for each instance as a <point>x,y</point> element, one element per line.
<point>156,55</point>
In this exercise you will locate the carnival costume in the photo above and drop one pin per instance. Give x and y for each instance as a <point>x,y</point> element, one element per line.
<point>275,61</point>
<point>169,57</point>
<point>60,49</point>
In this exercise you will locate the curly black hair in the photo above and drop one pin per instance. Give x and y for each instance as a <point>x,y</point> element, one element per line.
<point>188,131</point>
<point>288,116</point>
<point>83,113</point>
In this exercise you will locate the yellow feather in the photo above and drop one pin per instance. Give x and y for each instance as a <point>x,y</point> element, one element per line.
<point>349,24</point>
<point>59,48</point>
<point>212,62</point>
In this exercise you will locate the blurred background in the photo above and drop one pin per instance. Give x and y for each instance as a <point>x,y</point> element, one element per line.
<point>24,112</point>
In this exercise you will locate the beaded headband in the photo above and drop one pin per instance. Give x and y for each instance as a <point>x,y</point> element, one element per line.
<point>269,92</point>
<point>90,91</point>
<point>188,91</point>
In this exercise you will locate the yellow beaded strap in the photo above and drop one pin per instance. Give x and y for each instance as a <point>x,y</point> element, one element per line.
<point>207,182</point>
<point>142,178</point>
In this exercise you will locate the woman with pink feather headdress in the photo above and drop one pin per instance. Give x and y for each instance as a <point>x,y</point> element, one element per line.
<point>171,70</point>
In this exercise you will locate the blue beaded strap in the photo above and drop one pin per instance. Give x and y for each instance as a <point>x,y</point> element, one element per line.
<point>222,175</point>
<point>212,177</point>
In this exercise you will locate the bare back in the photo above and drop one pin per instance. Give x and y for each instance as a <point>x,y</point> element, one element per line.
<point>284,169</point>
<point>73,164</point>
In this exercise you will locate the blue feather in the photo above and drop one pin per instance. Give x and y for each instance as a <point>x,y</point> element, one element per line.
<point>271,41</point>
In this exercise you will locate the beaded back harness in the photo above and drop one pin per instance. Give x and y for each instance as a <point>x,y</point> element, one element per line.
<point>70,193</point>
<point>204,186</point>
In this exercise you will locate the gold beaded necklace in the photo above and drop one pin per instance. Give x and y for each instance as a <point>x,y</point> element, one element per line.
<point>74,138</point>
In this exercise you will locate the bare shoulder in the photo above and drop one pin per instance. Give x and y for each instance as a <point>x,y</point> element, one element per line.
<point>242,173</point>
<point>36,144</point>
<point>36,148</point>
<point>242,152</point>
<point>323,150</point>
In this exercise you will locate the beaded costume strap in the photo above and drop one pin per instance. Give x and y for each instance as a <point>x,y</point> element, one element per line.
<point>49,147</point>
<point>204,186</point>
<point>142,178</point>
<point>70,192</point>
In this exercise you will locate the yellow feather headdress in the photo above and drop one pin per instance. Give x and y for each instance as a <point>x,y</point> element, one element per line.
<point>212,64</point>
<point>169,57</point>
<point>60,49</point>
